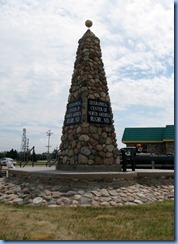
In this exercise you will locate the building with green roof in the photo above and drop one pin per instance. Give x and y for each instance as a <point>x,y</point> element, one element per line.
<point>158,140</point>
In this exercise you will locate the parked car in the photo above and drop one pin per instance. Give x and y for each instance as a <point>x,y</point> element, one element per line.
<point>9,162</point>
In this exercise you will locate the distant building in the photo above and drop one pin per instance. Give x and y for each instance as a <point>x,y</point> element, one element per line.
<point>158,140</point>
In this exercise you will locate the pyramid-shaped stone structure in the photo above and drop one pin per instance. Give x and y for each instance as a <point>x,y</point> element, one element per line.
<point>88,140</point>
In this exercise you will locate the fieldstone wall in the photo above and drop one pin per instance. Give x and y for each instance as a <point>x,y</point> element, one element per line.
<point>161,148</point>
<point>89,180</point>
<point>169,147</point>
<point>88,136</point>
<point>88,145</point>
<point>157,148</point>
<point>86,189</point>
<point>25,193</point>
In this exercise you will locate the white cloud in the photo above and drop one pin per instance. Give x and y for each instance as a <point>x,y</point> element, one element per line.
<point>38,45</point>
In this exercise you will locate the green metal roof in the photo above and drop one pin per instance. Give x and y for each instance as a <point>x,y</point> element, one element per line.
<point>148,134</point>
<point>169,133</point>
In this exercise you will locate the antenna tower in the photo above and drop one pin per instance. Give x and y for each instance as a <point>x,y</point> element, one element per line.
<point>27,145</point>
<point>25,141</point>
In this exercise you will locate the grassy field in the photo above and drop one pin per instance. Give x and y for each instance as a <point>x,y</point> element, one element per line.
<point>141,222</point>
<point>38,163</point>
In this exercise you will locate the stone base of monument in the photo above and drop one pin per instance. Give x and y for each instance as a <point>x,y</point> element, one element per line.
<point>77,179</point>
<point>88,168</point>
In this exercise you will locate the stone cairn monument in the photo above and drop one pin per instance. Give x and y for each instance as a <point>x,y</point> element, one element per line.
<point>88,140</point>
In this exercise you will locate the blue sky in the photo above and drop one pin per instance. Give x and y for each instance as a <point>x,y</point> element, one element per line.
<point>38,45</point>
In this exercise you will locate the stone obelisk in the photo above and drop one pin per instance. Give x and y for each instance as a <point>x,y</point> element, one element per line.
<point>88,140</point>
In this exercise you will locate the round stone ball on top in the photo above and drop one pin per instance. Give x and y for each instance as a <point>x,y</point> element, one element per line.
<point>88,23</point>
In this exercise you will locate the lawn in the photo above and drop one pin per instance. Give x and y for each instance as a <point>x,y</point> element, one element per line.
<point>142,222</point>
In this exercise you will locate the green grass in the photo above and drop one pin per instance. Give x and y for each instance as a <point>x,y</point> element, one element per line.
<point>38,163</point>
<point>142,222</point>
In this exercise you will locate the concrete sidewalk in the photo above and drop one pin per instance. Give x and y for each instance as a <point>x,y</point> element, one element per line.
<point>53,170</point>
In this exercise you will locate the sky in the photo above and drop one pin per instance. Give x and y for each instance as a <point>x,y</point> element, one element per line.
<point>38,44</point>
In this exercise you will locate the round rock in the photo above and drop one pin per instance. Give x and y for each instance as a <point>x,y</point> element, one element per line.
<point>88,23</point>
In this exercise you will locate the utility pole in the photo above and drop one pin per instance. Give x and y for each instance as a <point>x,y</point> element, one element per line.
<point>49,133</point>
<point>24,143</point>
